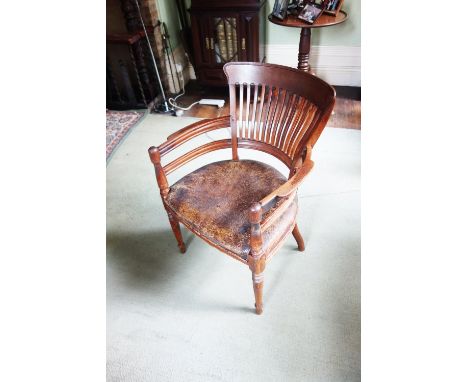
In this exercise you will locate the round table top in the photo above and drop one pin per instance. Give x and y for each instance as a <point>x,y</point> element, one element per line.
<point>323,21</point>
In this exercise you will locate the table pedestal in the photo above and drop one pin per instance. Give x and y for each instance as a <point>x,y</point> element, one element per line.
<point>292,21</point>
<point>304,50</point>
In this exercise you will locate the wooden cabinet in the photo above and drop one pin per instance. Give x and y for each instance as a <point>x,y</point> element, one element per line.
<point>225,31</point>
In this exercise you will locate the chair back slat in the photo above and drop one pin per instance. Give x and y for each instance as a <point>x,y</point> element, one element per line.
<point>258,130</point>
<point>271,115</point>
<point>253,129</point>
<point>276,106</point>
<point>281,124</point>
<point>232,106</point>
<point>294,123</point>
<point>296,128</point>
<point>278,115</point>
<point>302,126</point>
<point>288,119</point>
<point>266,110</point>
<point>247,114</point>
<point>240,120</point>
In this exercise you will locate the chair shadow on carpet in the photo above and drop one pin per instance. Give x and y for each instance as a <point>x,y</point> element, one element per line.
<point>151,261</point>
<point>145,258</point>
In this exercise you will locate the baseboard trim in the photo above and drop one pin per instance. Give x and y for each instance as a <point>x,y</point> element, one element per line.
<point>338,65</point>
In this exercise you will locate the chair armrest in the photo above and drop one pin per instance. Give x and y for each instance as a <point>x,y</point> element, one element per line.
<point>260,220</point>
<point>291,185</point>
<point>284,195</point>
<point>178,138</point>
<point>191,131</point>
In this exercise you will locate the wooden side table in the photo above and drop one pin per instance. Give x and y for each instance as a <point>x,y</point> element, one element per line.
<point>304,44</point>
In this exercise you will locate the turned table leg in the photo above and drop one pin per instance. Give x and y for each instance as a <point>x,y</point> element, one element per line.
<point>304,50</point>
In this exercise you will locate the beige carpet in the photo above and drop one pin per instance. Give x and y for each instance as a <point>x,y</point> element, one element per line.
<point>174,317</point>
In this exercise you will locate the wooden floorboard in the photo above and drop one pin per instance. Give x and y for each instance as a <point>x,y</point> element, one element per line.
<point>347,112</point>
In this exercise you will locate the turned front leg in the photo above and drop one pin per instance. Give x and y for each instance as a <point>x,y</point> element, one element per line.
<point>161,179</point>
<point>256,258</point>
<point>175,225</point>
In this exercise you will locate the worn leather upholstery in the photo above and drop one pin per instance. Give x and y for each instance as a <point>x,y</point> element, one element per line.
<point>214,201</point>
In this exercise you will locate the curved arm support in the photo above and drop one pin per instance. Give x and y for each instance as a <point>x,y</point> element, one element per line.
<point>285,193</point>
<point>191,131</point>
<point>176,139</point>
<point>155,156</point>
<point>291,185</point>
<point>260,219</point>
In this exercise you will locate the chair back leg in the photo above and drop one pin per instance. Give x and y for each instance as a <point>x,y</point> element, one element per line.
<point>300,241</point>
<point>257,266</point>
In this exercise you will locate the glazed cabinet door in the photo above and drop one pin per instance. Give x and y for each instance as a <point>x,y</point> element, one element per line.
<point>224,34</point>
<point>224,38</point>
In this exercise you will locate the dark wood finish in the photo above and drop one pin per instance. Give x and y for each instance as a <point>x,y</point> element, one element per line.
<point>114,99</point>
<point>123,38</point>
<point>140,47</point>
<point>304,50</point>
<point>246,209</point>
<point>126,41</point>
<point>325,20</point>
<point>137,74</point>
<point>250,35</point>
<point>112,90</point>
<point>127,84</point>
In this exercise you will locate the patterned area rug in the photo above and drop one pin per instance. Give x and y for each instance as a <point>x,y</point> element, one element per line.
<point>118,124</point>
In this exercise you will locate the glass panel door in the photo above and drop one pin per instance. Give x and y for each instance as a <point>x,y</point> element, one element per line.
<point>225,44</point>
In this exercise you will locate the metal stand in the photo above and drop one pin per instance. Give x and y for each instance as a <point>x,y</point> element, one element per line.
<point>164,108</point>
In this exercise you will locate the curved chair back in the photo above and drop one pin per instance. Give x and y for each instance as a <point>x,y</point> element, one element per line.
<point>276,109</point>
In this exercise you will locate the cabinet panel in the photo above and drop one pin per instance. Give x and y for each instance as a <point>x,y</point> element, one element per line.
<point>201,40</point>
<point>249,41</point>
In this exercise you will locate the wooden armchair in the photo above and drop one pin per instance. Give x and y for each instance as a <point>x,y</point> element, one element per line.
<point>246,208</point>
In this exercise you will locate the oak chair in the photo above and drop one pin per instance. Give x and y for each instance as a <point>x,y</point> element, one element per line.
<point>247,208</point>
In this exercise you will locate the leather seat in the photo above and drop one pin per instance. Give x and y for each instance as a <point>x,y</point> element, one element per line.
<point>214,202</point>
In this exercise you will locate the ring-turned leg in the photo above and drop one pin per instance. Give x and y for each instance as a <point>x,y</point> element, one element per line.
<point>299,239</point>
<point>176,229</point>
<point>304,50</point>
<point>256,258</point>
<point>257,266</point>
